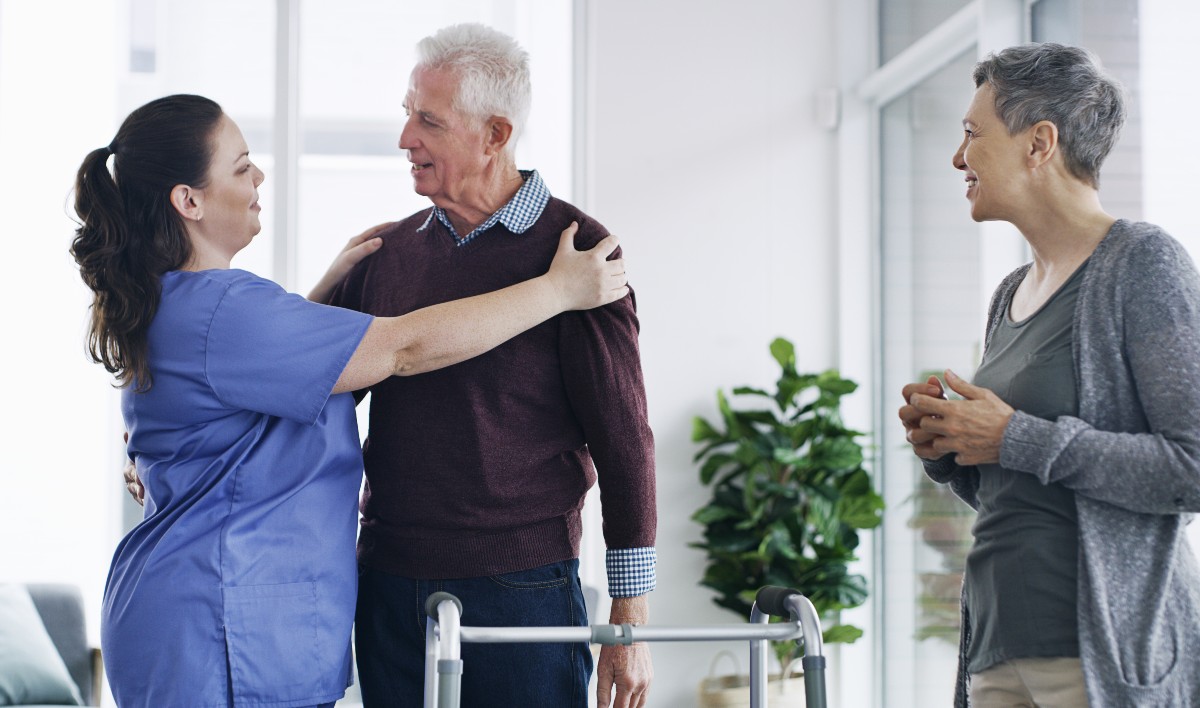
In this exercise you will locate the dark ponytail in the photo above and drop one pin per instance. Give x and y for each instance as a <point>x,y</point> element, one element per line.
<point>129,233</point>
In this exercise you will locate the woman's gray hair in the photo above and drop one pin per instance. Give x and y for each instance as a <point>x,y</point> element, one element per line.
<point>492,70</point>
<point>1066,86</point>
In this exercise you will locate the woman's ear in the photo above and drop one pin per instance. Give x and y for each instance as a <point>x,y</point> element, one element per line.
<point>188,202</point>
<point>1043,143</point>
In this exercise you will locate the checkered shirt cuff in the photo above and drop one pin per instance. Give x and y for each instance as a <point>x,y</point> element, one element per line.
<point>631,571</point>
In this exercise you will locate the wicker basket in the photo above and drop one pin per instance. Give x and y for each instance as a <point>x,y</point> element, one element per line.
<point>733,691</point>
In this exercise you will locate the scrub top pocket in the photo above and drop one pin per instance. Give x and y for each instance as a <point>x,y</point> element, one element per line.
<point>271,636</point>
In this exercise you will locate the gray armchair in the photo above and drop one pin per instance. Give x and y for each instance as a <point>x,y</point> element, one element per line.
<point>61,609</point>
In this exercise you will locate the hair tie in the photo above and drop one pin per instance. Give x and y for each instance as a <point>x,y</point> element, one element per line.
<point>112,148</point>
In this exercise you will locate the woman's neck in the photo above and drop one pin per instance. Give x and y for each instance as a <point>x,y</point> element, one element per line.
<point>1063,229</point>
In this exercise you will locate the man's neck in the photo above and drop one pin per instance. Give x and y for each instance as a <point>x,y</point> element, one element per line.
<point>469,213</point>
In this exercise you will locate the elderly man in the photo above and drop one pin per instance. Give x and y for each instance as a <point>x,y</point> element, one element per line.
<point>476,474</point>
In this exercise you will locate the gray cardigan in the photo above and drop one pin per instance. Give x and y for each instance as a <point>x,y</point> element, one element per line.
<point>1132,457</point>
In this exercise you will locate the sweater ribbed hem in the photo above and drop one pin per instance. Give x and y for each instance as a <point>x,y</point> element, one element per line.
<point>471,556</point>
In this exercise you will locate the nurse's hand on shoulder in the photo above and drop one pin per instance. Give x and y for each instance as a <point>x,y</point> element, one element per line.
<point>587,279</point>
<point>354,251</point>
<point>972,428</point>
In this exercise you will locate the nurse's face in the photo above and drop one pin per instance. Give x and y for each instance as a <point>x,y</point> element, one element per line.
<point>230,199</point>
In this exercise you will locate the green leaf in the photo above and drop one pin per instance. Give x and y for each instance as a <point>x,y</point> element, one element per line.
<point>730,540</point>
<point>784,352</point>
<point>846,633</point>
<point>750,491</point>
<point>823,517</point>
<point>727,413</point>
<point>712,465</point>
<point>788,456</point>
<point>747,390</point>
<point>832,383</point>
<point>711,514</point>
<point>729,495</point>
<point>703,430</point>
<point>859,506</point>
<point>789,387</point>
<point>747,452</point>
<point>749,418</point>
<point>838,453</point>
<point>781,541</point>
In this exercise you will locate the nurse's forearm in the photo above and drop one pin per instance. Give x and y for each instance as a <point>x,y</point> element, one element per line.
<point>445,334</point>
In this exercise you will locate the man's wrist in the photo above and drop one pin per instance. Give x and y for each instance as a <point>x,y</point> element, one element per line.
<point>633,611</point>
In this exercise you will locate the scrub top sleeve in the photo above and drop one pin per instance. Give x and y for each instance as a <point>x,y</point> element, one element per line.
<point>276,353</point>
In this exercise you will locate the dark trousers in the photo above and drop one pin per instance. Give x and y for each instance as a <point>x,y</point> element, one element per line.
<point>390,639</point>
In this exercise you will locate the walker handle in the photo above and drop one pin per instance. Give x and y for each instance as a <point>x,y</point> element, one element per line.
<point>437,598</point>
<point>772,600</point>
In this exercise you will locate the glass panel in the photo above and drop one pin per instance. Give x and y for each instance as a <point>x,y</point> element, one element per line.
<point>352,174</point>
<point>932,319</point>
<point>1108,28</point>
<point>222,49</point>
<point>902,22</point>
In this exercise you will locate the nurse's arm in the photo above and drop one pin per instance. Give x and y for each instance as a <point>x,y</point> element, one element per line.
<point>445,334</point>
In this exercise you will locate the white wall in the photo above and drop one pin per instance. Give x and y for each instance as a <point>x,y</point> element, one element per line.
<point>58,520</point>
<point>709,163</point>
<point>1169,176</point>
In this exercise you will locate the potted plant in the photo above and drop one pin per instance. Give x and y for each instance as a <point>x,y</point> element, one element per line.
<point>789,496</point>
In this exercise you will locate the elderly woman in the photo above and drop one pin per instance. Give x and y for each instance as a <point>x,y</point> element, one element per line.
<point>1078,442</point>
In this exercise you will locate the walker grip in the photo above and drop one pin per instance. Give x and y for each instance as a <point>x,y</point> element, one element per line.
<point>437,598</point>
<point>772,600</point>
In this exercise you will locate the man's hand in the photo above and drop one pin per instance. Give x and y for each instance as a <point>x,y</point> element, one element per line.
<point>133,483</point>
<point>628,668</point>
<point>973,428</point>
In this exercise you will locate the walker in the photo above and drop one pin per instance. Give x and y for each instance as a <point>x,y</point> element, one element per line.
<point>444,634</point>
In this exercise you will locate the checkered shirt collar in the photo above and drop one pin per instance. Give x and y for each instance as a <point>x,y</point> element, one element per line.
<point>520,213</point>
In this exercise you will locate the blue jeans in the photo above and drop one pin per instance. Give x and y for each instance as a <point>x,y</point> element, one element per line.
<point>390,638</point>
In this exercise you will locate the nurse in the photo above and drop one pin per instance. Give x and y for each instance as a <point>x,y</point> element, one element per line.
<point>238,587</point>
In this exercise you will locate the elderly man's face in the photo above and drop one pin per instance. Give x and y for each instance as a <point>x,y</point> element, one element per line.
<point>447,149</point>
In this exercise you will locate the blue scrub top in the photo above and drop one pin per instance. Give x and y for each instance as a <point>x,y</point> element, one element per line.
<point>238,587</point>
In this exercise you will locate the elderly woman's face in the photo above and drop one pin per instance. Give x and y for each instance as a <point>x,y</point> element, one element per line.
<point>991,159</point>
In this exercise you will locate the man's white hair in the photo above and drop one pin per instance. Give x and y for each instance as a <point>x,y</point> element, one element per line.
<point>492,72</point>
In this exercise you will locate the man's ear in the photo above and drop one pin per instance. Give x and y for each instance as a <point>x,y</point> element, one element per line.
<point>499,131</point>
<point>189,202</point>
<point>1043,143</point>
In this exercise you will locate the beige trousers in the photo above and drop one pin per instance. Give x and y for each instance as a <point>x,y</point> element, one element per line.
<point>1030,683</point>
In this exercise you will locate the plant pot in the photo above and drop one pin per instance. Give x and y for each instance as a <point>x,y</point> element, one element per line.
<point>784,690</point>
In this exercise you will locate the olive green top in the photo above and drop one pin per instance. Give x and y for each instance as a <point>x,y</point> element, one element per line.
<point>1021,572</point>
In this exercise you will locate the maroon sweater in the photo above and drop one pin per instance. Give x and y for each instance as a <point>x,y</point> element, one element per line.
<point>481,468</point>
